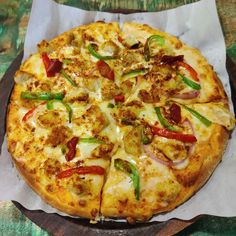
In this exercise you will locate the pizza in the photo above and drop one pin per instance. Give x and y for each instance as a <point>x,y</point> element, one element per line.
<point>117,122</point>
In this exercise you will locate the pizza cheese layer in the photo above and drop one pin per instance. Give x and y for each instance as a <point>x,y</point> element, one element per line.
<point>117,122</point>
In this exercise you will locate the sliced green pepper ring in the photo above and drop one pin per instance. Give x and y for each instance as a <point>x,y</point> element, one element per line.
<point>153,38</point>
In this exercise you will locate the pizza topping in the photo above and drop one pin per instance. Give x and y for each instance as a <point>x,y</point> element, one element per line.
<point>58,135</point>
<point>110,105</point>
<point>111,48</point>
<point>93,119</point>
<point>21,77</point>
<point>31,112</point>
<point>49,119</point>
<point>175,113</point>
<point>119,98</point>
<point>132,141</point>
<point>103,150</point>
<point>151,96</point>
<point>105,70</point>
<point>109,89</point>
<point>52,66</point>
<point>132,171</point>
<point>188,138</point>
<point>146,134</point>
<point>188,95</point>
<point>217,113</point>
<point>166,59</point>
<point>91,140</point>
<point>190,69</point>
<point>67,61</point>
<point>66,105</point>
<point>42,95</point>
<point>159,40</point>
<point>203,119</point>
<point>163,121</point>
<point>158,158</point>
<point>134,73</point>
<point>81,170</point>
<point>189,82</point>
<point>97,55</point>
<point>68,78</point>
<point>72,148</point>
<point>127,116</point>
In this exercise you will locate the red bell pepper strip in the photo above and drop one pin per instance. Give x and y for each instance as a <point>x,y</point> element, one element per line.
<point>119,98</point>
<point>72,148</point>
<point>81,170</point>
<point>52,66</point>
<point>31,112</point>
<point>166,59</point>
<point>120,39</point>
<point>175,113</point>
<point>105,70</point>
<point>190,69</point>
<point>187,138</point>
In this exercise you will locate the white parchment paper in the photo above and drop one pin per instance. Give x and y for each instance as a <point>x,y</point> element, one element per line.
<point>196,24</point>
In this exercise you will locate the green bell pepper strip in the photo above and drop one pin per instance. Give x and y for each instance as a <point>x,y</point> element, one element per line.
<point>69,79</point>
<point>163,121</point>
<point>63,149</point>
<point>66,105</point>
<point>203,119</point>
<point>190,83</point>
<point>97,55</point>
<point>42,96</point>
<point>69,110</point>
<point>153,38</point>
<point>110,105</point>
<point>91,140</point>
<point>134,73</point>
<point>132,171</point>
<point>67,61</point>
<point>144,138</point>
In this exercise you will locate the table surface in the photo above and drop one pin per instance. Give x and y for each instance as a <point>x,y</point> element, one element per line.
<point>14,16</point>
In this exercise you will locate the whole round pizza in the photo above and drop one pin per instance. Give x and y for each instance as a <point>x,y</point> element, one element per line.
<point>118,122</point>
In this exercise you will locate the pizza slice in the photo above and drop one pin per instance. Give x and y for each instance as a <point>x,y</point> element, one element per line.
<point>168,154</point>
<point>178,71</point>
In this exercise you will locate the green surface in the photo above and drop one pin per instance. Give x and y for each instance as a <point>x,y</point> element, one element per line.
<point>208,225</point>
<point>13,223</point>
<point>14,17</point>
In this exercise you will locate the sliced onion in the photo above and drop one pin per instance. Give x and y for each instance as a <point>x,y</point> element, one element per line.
<point>166,163</point>
<point>188,95</point>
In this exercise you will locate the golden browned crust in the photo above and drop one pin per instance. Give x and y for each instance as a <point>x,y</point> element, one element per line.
<point>87,211</point>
